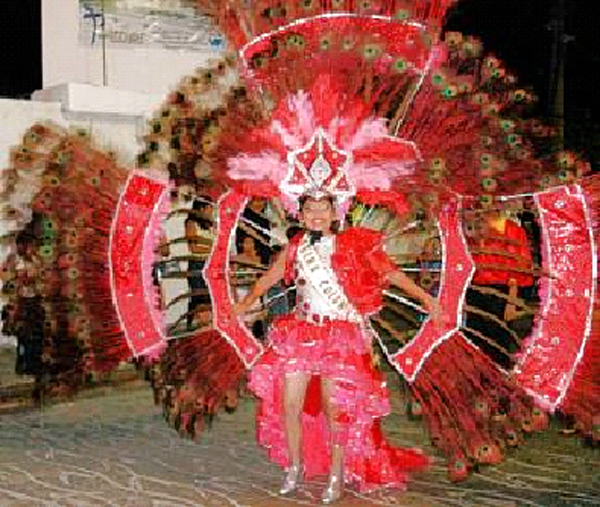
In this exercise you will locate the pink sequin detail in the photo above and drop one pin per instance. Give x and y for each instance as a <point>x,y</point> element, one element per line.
<point>553,351</point>
<point>152,240</point>
<point>457,275</point>
<point>248,348</point>
<point>133,215</point>
<point>336,351</point>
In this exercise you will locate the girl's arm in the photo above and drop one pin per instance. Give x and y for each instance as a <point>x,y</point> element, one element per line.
<point>382,263</point>
<point>264,283</point>
<point>431,305</point>
<point>196,243</point>
<point>400,280</point>
<point>8,269</point>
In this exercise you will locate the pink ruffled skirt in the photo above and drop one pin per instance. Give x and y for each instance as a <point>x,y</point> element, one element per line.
<point>339,352</point>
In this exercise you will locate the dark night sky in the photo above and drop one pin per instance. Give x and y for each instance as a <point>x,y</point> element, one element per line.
<point>519,33</point>
<point>516,30</point>
<point>20,47</point>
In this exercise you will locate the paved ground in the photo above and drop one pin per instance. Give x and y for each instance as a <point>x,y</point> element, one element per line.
<point>7,364</point>
<point>115,450</point>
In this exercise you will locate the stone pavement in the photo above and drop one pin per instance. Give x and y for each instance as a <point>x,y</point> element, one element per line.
<point>7,364</point>
<point>115,450</point>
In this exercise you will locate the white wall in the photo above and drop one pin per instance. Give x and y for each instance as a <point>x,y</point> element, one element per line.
<point>16,116</point>
<point>116,119</point>
<point>149,68</point>
<point>109,90</point>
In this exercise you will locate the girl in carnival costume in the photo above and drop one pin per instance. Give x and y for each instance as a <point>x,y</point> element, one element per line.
<point>327,342</point>
<point>364,103</point>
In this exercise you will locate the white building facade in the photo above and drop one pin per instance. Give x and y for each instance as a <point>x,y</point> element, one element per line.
<point>107,67</point>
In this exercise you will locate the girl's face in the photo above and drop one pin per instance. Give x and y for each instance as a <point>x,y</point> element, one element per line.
<point>432,246</point>
<point>248,246</point>
<point>318,215</point>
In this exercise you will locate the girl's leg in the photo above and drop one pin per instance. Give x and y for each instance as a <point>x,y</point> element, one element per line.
<point>334,483</point>
<point>293,401</point>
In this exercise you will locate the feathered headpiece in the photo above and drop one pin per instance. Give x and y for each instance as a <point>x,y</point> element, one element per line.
<point>306,148</point>
<point>333,80</point>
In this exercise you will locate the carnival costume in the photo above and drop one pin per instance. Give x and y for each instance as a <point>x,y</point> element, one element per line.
<point>364,101</point>
<point>339,282</point>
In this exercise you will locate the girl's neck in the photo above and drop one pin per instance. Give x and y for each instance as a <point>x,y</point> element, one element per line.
<point>498,224</point>
<point>322,233</point>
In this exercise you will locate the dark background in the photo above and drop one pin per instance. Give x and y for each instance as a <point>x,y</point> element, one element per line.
<point>527,35</point>
<point>523,33</point>
<point>20,47</point>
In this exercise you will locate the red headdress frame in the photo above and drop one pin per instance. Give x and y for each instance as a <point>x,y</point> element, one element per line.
<point>319,76</point>
<point>241,22</point>
<point>316,71</point>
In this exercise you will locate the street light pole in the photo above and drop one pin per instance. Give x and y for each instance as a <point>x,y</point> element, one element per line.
<point>557,66</point>
<point>104,69</point>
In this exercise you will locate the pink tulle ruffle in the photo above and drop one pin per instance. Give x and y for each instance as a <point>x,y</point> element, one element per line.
<point>337,351</point>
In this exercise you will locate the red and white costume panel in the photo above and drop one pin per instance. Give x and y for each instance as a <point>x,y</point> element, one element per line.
<point>339,280</point>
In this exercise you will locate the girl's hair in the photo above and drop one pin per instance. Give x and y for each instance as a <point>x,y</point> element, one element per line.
<point>307,197</point>
<point>199,205</point>
<point>201,202</point>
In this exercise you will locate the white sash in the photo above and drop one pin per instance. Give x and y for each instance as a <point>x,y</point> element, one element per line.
<point>323,280</point>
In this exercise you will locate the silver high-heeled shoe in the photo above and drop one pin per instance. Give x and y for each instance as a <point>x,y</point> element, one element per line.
<point>333,491</point>
<point>292,480</point>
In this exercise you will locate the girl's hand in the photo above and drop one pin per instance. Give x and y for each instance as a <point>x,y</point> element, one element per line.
<point>435,312</point>
<point>241,308</point>
<point>510,312</point>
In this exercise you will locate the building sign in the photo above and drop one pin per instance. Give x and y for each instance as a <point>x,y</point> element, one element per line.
<point>146,23</point>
